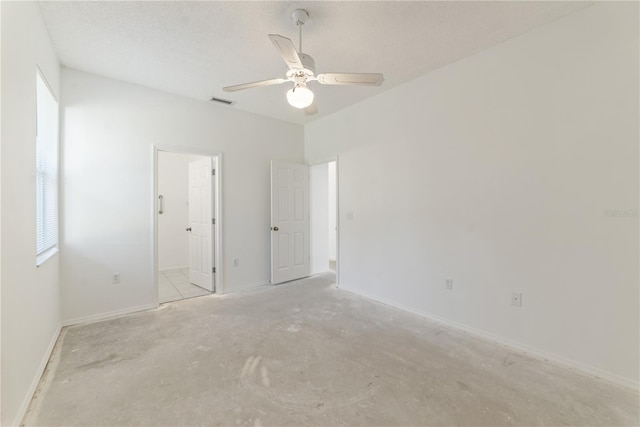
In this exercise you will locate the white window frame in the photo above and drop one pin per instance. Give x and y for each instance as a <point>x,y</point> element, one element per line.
<point>47,166</point>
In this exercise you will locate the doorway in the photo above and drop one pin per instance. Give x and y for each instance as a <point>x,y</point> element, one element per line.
<point>186,234</point>
<point>324,227</point>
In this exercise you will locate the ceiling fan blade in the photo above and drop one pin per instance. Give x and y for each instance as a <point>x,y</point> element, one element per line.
<point>311,110</point>
<point>287,51</point>
<point>358,79</point>
<point>254,84</point>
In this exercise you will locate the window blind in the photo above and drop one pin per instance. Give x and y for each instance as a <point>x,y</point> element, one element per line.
<point>46,168</point>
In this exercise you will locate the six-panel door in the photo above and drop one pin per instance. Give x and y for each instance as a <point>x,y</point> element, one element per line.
<point>289,222</point>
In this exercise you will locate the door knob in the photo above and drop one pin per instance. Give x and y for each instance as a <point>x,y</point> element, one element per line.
<point>188,228</point>
<point>275,228</point>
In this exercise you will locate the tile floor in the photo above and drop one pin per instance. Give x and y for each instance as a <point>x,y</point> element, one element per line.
<point>174,286</point>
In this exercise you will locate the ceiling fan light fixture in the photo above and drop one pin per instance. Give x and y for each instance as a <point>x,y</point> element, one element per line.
<point>300,97</point>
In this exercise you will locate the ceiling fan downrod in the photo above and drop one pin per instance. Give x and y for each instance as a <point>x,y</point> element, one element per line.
<point>300,17</point>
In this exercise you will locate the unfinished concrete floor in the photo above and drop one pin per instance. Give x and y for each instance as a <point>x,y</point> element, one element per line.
<point>306,353</point>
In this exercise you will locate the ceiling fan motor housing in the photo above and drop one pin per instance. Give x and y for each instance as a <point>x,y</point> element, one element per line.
<point>301,75</point>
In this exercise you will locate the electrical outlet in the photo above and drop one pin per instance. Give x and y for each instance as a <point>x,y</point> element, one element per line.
<point>116,278</point>
<point>350,216</point>
<point>516,299</point>
<point>236,262</point>
<point>449,284</point>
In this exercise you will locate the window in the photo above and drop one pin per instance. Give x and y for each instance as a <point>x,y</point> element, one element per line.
<point>46,172</point>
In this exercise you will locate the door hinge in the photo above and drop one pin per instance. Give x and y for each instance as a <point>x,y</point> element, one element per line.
<point>213,270</point>
<point>213,172</point>
<point>213,220</point>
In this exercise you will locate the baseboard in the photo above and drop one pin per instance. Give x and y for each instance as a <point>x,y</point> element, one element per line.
<point>243,288</point>
<point>36,379</point>
<point>172,268</point>
<point>107,316</point>
<point>531,351</point>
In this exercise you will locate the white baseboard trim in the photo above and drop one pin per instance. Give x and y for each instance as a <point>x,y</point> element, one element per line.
<point>173,268</point>
<point>242,288</point>
<point>107,316</point>
<point>531,351</point>
<point>36,379</point>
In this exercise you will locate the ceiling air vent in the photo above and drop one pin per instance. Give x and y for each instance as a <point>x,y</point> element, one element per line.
<point>222,101</point>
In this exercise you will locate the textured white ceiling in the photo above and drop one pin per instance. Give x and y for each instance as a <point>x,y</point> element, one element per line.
<point>196,48</point>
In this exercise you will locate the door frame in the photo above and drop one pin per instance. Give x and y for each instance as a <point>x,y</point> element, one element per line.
<point>216,188</point>
<point>337,160</point>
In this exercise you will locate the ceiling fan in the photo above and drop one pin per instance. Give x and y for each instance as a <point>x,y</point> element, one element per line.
<point>302,71</point>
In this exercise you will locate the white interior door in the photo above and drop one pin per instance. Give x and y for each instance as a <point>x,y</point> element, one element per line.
<point>289,222</point>
<point>200,224</point>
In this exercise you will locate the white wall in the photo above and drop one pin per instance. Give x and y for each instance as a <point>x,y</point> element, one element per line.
<point>331,194</point>
<point>109,128</point>
<point>501,171</point>
<point>30,296</point>
<point>173,185</point>
<point>319,207</point>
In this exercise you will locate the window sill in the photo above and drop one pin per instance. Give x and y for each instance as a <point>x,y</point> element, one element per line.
<point>46,255</point>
